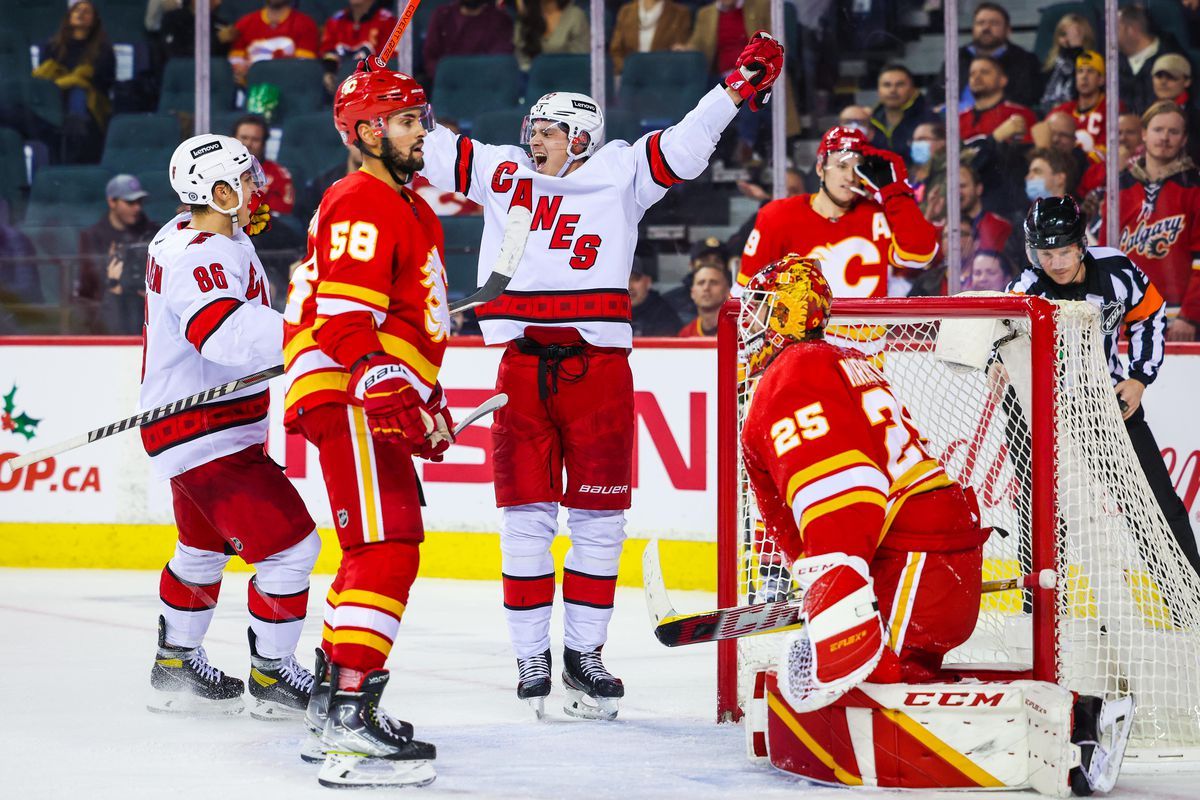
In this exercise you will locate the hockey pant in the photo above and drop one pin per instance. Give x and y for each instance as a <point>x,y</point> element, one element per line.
<point>589,575</point>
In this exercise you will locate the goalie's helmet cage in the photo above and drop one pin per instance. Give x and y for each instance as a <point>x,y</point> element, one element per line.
<point>578,114</point>
<point>1052,223</point>
<point>371,96</point>
<point>200,162</point>
<point>784,302</point>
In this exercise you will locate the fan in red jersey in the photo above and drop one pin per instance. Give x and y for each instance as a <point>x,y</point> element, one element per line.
<point>366,328</point>
<point>863,224</point>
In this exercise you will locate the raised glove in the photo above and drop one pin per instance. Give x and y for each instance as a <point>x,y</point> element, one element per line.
<point>440,423</point>
<point>392,405</point>
<point>883,171</point>
<point>260,220</point>
<point>756,69</point>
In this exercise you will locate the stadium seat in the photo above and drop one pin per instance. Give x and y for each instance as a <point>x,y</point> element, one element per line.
<point>321,10</point>
<point>1050,15</point>
<point>310,144</point>
<point>57,248</point>
<point>659,88</point>
<point>462,254</point>
<point>459,92</point>
<point>64,196</point>
<point>621,124</point>
<point>38,21</point>
<point>138,141</point>
<point>502,126</point>
<point>236,9</point>
<point>179,86</point>
<point>13,180</point>
<point>123,20</point>
<point>420,27</point>
<point>224,121</point>
<point>563,72</point>
<point>163,203</point>
<point>300,84</point>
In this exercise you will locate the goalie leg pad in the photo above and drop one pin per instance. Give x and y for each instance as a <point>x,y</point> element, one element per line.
<point>843,627</point>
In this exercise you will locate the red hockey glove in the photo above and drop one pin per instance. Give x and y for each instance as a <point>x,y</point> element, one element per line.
<point>392,405</point>
<point>440,437</point>
<point>756,69</point>
<point>883,171</point>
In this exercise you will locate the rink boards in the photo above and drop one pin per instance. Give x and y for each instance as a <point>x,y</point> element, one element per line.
<point>100,507</point>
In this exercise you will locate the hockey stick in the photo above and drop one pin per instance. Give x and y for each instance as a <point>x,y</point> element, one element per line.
<point>674,629</point>
<point>492,404</point>
<point>389,47</point>
<point>137,420</point>
<point>512,247</point>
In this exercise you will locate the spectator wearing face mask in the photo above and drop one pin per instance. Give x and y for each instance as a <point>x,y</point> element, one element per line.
<point>902,107</point>
<point>928,142</point>
<point>1049,175</point>
<point>1060,132</point>
<point>1072,35</point>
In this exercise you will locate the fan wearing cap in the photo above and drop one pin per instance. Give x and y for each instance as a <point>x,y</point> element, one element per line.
<point>652,315</point>
<point>862,224</point>
<point>1088,109</point>
<point>104,276</point>
<point>565,324</point>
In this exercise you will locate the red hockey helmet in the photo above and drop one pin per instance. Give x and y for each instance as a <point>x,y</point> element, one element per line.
<point>372,96</point>
<point>787,301</point>
<point>841,139</point>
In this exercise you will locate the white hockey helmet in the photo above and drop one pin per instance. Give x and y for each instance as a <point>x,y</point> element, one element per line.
<point>201,161</point>
<point>578,114</point>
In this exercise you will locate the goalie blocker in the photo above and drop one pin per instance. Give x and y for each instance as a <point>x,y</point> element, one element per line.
<point>966,735</point>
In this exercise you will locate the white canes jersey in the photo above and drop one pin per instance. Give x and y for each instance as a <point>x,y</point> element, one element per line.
<point>575,271</point>
<point>209,321</point>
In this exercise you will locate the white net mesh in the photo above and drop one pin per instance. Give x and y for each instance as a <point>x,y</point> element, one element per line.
<point>1127,606</point>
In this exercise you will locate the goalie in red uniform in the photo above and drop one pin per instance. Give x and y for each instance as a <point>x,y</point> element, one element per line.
<point>886,551</point>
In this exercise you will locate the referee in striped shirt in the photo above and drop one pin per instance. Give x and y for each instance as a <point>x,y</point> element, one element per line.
<point>1064,268</point>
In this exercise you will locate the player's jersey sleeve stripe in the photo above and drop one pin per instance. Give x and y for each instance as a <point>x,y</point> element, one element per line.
<point>856,477</point>
<point>903,258</point>
<point>916,474</point>
<point>405,351</point>
<point>350,291</point>
<point>828,466</point>
<point>1151,302</point>
<point>333,380</point>
<point>464,161</point>
<point>332,306</point>
<point>660,171</point>
<point>301,341</point>
<point>806,516</point>
<point>205,322</point>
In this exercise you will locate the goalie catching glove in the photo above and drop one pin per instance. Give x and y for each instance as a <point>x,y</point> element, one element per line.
<point>884,172</point>
<point>756,69</point>
<point>393,407</point>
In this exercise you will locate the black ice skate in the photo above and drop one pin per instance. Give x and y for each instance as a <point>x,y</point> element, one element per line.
<point>1101,729</point>
<point>592,691</point>
<point>185,683</point>
<point>311,750</point>
<point>365,747</point>
<point>280,686</point>
<point>533,681</point>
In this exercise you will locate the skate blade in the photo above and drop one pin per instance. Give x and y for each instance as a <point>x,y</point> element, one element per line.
<point>270,711</point>
<point>342,770</point>
<point>584,706</point>
<point>186,704</point>
<point>312,749</point>
<point>538,704</point>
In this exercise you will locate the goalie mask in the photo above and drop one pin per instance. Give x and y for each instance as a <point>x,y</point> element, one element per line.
<point>577,114</point>
<point>200,162</point>
<point>785,302</point>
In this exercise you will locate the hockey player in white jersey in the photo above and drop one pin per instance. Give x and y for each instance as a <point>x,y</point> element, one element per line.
<point>209,321</point>
<point>565,322</point>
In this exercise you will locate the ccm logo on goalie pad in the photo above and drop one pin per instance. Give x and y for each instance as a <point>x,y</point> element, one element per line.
<point>970,699</point>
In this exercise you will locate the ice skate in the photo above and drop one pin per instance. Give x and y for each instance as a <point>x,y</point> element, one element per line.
<point>592,691</point>
<point>185,683</point>
<point>317,711</point>
<point>280,686</point>
<point>533,681</point>
<point>365,747</point>
<point>1101,729</point>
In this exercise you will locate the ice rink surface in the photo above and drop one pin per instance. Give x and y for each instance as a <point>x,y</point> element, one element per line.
<point>78,645</point>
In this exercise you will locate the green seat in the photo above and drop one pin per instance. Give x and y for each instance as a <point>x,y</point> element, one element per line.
<point>621,124</point>
<point>43,99</point>
<point>462,254</point>
<point>136,141</point>
<point>467,86</point>
<point>420,27</point>
<point>57,250</point>
<point>162,203</point>
<point>660,88</point>
<point>301,89</point>
<point>223,122</point>
<point>179,86</point>
<point>64,196</point>
<point>13,179</point>
<point>1166,16</point>
<point>563,72</point>
<point>502,126</point>
<point>310,144</point>
<point>1048,20</point>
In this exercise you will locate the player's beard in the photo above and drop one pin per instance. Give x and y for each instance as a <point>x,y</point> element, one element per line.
<point>398,164</point>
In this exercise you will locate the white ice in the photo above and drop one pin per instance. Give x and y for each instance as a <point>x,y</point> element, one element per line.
<point>75,660</point>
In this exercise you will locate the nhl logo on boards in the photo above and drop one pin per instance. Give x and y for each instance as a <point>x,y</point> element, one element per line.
<point>211,147</point>
<point>343,518</point>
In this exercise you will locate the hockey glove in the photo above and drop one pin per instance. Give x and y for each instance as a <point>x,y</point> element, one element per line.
<point>756,69</point>
<point>392,405</point>
<point>437,412</point>
<point>884,172</point>
<point>260,220</point>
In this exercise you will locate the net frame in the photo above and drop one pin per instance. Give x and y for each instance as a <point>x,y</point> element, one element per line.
<point>1166,735</point>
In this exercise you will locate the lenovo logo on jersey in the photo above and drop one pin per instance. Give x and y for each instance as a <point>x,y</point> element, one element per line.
<point>588,488</point>
<point>970,699</point>
<point>584,106</point>
<point>211,147</point>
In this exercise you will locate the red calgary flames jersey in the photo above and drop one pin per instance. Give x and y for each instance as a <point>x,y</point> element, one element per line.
<point>830,452</point>
<point>342,36</point>
<point>855,251</point>
<point>294,36</point>
<point>371,251</point>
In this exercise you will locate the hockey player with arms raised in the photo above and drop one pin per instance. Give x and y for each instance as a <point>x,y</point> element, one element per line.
<point>886,552</point>
<point>864,244</point>
<point>367,324</point>
<point>209,321</point>
<point>565,323</point>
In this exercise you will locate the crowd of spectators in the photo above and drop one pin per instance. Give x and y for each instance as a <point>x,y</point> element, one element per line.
<point>1030,127</point>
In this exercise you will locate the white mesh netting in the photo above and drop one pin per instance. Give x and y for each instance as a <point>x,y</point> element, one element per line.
<point>1127,606</point>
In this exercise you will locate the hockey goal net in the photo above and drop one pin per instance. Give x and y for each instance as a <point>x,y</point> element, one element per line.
<point>1041,441</point>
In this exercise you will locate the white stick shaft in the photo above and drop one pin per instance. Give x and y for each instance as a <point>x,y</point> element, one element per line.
<point>488,406</point>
